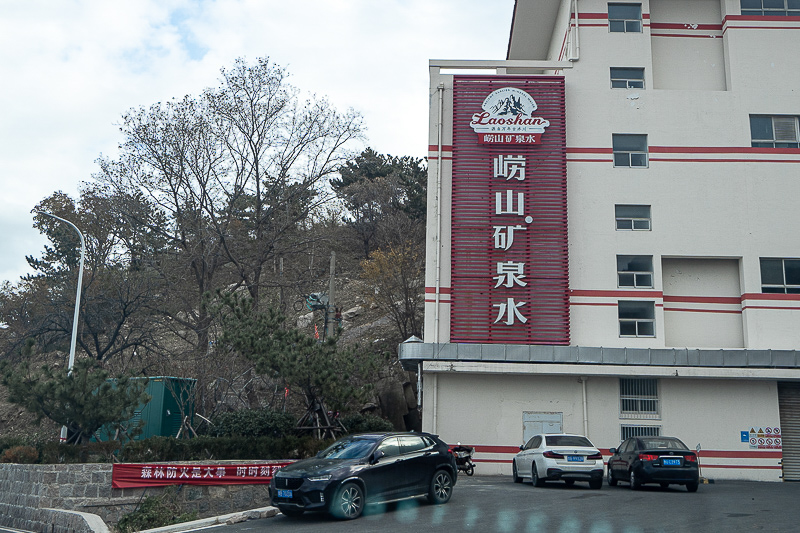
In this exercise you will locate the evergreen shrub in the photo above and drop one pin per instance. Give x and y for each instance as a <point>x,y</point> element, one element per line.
<point>252,423</point>
<point>363,423</point>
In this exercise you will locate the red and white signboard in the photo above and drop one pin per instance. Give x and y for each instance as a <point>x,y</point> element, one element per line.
<point>509,217</point>
<point>128,475</point>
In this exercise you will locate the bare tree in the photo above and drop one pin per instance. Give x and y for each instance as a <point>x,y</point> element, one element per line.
<point>235,174</point>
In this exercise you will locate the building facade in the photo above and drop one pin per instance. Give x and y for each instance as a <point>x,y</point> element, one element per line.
<point>613,243</point>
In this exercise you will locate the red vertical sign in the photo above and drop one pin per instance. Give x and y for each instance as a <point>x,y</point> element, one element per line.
<point>509,217</point>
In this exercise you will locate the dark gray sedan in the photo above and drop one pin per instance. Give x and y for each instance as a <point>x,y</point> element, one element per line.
<point>663,460</point>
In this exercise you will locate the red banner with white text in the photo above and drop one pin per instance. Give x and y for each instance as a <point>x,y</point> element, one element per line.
<point>127,475</point>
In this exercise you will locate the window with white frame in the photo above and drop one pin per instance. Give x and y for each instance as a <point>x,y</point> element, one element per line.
<point>632,217</point>
<point>635,271</point>
<point>780,276</point>
<point>779,131</point>
<point>626,431</point>
<point>630,150</point>
<point>776,8</point>
<point>624,18</point>
<point>636,318</point>
<point>627,78</point>
<point>638,398</point>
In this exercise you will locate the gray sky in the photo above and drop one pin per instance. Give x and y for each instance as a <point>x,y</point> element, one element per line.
<point>70,68</point>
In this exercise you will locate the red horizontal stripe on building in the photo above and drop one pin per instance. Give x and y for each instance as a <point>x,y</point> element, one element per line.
<point>771,307</point>
<point>583,150</point>
<point>688,310</point>
<point>683,160</point>
<point>690,150</point>
<point>743,467</point>
<point>756,18</point>
<point>744,454</point>
<point>445,148</point>
<point>691,36</point>
<point>704,454</point>
<point>770,296</point>
<point>683,26</point>
<point>704,299</point>
<point>442,290</point>
<point>616,294</point>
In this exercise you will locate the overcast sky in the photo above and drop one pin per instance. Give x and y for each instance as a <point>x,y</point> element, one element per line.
<point>70,68</point>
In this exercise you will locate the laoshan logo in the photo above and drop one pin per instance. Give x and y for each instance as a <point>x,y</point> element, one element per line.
<point>507,118</point>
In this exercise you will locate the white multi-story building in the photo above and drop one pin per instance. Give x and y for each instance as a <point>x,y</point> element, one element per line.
<point>614,234</point>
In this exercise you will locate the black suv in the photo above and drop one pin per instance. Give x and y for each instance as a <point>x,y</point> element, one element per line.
<point>367,468</point>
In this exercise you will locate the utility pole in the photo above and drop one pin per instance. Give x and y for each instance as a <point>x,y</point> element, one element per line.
<point>330,311</point>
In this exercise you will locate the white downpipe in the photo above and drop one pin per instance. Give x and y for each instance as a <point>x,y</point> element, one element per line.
<point>585,408</point>
<point>434,402</point>
<point>439,128</point>
<point>576,40</point>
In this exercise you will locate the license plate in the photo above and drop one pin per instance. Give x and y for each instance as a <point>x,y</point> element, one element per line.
<point>284,493</point>
<point>671,462</point>
<point>575,458</point>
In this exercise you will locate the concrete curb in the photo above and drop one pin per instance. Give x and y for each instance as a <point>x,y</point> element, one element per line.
<point>232,518</point>
<point>94,522</point>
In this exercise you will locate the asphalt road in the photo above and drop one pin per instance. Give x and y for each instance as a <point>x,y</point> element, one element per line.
<point>496,504</point>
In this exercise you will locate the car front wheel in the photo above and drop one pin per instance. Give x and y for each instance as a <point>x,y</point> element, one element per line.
<point>612,481</point>
<point>514,474</point>
<point>349,502</point>
<point>441,487</point>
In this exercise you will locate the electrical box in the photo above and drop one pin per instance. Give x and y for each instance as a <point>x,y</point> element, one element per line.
<point>171,400</point>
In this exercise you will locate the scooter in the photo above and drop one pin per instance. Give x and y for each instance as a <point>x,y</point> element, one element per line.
<point>463,455</point>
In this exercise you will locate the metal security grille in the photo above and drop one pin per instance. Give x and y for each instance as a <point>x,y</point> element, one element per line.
<point>789,409</point>
<point>627,432</point>
<point>638,398</point>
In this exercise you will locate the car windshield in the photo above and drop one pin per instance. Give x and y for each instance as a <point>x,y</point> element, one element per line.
<point>663,444</point>
<point>567,440</point>
<point>352,448</point>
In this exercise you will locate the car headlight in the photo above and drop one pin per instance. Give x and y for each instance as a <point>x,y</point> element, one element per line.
<point>326,477</point>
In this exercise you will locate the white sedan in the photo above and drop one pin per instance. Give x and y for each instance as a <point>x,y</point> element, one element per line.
<point>559,457</point>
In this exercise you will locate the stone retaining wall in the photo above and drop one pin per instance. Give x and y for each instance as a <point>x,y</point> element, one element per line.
<point>31,497</point>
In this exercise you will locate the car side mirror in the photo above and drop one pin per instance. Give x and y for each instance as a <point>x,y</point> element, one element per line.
<point>521,447</point>
<point>612,451</point>
<point>376,456</point>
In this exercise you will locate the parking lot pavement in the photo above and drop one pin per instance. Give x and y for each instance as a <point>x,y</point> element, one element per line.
<point>496,504</point>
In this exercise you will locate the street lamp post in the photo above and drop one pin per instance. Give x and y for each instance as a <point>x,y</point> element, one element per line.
<point>77,304</point>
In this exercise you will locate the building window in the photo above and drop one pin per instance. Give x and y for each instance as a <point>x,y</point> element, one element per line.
<point>790,8</point>
<point>627,78</point>
<point>780,276</point>
<point>636,319</point>
<point>774,132</point>
<point>626,18</point>
<point>627,432</point>
<point>629,150</point>
<point>638,398</point>
<point>632,217</point>
<point>635,271</point>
